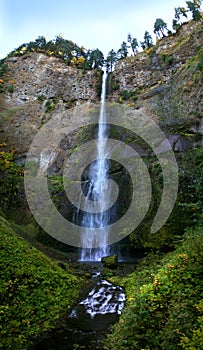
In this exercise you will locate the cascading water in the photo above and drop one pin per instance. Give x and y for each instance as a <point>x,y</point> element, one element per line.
<point>97,190</point>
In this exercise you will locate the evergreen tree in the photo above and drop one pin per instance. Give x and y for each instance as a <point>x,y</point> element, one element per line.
<point>159,27</point>
<point>148,42</point>
<point>194,7</point>
<point>180,12</point>
<point>41,42</point>
<point>133,44</point>
<point>66,47</point>
<point>175,25</point>
<point>96,59</point>
<point>111,59</point>
<point>123,51</point>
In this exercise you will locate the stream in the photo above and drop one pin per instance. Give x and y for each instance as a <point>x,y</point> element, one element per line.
<point>86,324</point>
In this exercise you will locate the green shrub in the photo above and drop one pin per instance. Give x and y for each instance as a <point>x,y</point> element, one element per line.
<point>41,98</point>
<point>50,106</point>
<point>10,88</point>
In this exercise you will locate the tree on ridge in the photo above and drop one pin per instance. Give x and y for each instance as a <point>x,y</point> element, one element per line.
<point>148,42</point>
<point>159,27</point>
<point>133,44</point>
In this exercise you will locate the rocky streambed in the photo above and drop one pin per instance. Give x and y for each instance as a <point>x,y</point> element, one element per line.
<point>86,324</point>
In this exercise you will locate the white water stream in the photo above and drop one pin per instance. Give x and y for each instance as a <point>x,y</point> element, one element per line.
<point>98,190</point>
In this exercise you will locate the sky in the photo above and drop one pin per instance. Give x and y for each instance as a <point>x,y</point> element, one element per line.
<point>101,24</point>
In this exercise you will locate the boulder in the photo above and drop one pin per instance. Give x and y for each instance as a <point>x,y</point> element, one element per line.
<point>110,262</point>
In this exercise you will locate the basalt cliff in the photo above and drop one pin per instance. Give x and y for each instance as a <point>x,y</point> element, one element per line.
<point>165,82</point>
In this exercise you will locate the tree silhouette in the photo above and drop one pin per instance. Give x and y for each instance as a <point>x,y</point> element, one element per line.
<point>111,59</point>
<point>159,27</point>
<point>95,59</point>
<point>148,42</point>
<point>133,44</point>
<point>194,7</point>
<point>123,51</point>
<point>180,12</point>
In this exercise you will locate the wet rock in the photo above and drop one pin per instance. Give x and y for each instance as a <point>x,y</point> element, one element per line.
<point>110,262</point>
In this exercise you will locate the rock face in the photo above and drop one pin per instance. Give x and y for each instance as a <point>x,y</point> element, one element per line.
<point>166,83</point>
<point>37,87</point>
<point>36,76</point>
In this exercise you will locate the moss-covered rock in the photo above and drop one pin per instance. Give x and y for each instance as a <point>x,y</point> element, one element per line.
<point>110,262</point>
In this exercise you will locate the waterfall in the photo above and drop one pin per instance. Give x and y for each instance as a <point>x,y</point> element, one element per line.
<point>97,190</point>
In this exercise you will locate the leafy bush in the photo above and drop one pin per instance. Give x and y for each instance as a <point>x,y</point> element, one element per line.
<point>130,95</point>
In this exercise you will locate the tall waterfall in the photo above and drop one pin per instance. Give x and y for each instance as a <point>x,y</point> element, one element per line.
<point>97,190</point>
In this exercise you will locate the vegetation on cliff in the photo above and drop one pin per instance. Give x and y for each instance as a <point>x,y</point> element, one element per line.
<point>187,211</point>
<point>64,49</point>
<point>164,304</point>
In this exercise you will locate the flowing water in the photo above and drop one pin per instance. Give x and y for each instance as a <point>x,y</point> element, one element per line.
<point>97,190</point>
<point>88,322</point>
<point>104,298</point>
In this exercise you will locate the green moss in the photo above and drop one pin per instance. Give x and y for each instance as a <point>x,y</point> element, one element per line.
<point>33,291</point>
<point>110,262</point>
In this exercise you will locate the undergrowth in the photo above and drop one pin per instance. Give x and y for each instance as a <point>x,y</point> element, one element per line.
<point>33,291</point>
<point>164,305</point>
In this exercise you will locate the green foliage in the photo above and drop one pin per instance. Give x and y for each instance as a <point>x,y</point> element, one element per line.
<point>133,44</point>
<point>123,51</point>
<point>10,89</point>
<point>98,84</point>
<point>50,106</point>
<point>163,301</point>
<point>67,50</point>
<point>148,42</point>
<point>180,12</point>
<point>190,180</point>
<point>33,291</point>
<point>130,95</point>
<point>168,59</point>
<point>3,67</point>
<point>188,208</point>
<point>159,27</point>
<point>11,178</point>
<point>111,60</point>
<point>41,98</point>
<point>95,58</point>
<point>175,25</point>
<point>194,7</point>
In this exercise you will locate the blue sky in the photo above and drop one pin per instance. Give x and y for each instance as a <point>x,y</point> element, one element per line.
<point>102,24</point>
